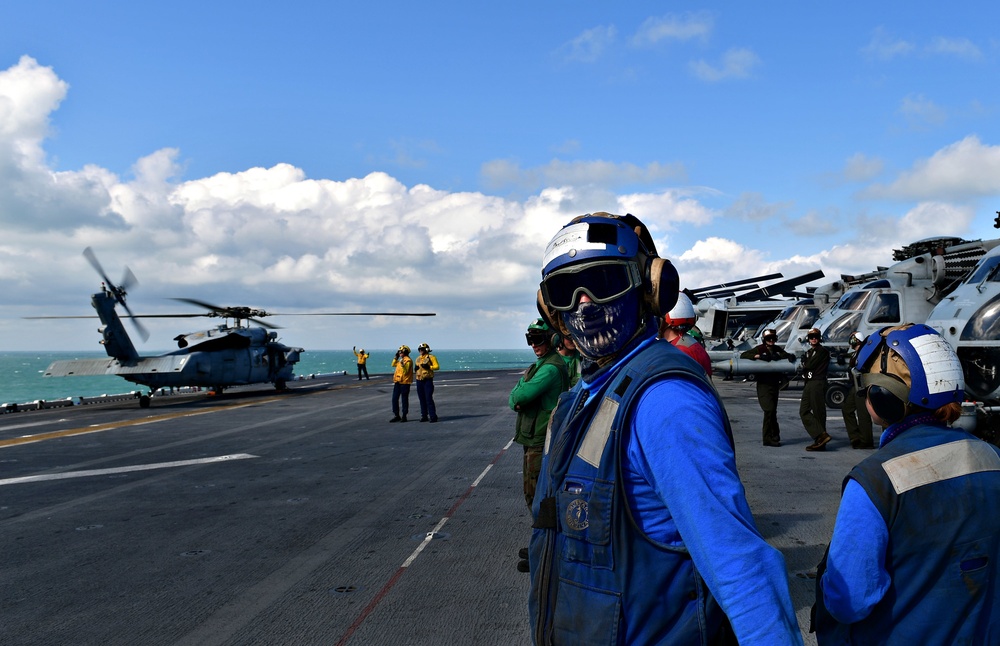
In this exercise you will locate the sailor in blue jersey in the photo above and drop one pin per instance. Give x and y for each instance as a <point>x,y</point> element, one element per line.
<point>642,530</point>
<point>916,546</point>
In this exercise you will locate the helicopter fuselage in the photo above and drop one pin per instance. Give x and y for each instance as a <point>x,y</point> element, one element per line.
<point>215,358</point>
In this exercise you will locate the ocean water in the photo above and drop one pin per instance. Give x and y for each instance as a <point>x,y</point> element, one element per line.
<point>21,379</point>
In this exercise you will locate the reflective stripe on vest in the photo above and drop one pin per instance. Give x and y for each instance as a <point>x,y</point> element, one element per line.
<point>939,463</point>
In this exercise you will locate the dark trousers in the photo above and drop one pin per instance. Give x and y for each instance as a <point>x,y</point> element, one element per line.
<point>362,368</point>
<point>767,397</point>
<point>425,393</point>
<point>400,391</point>
<point>857,420</point>
<point>531,469</point>
<point>812,408</point>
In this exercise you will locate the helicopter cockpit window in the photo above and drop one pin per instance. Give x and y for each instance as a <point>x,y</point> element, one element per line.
<point>987,271</point>
<point>885,309</point>
<point>787,313</point>
<point>984,325</point>
<point>840,330</point>
<point>854,301</point>
<point>783,330</point>
<point>812,313</point>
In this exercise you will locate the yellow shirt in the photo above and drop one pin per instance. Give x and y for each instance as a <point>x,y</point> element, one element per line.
<point>404,370</point>
<point>426,365</point>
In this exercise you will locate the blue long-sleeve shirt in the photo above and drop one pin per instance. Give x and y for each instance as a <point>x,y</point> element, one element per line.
<point>856,579</point>
<point>681,482</point>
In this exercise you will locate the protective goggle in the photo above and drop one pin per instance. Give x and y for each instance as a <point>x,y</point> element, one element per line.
<point>537,337</point>
<point>602,280</point>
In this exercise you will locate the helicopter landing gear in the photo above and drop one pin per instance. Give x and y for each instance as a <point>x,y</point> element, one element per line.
<point>143,401</point>
<point>280,385</point>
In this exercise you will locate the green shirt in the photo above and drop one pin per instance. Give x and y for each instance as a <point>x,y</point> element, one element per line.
<point>535,395</point>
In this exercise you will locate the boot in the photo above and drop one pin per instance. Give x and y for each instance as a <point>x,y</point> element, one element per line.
<point>820,443</point>
<point>397,418</point>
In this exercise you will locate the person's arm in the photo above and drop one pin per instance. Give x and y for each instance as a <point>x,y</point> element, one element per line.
<point>434,363</point>
<point>683,452</point>
<point>527,392</point>
<point>855,578</point>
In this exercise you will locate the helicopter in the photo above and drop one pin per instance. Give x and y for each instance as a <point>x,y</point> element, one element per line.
<point>969,319</point>
<point>924,273</point>
<point>231,354</point>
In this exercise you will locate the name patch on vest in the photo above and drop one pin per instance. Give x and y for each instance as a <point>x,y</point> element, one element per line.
<point>939,463</point>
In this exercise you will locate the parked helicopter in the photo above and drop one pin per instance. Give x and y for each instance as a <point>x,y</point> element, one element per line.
<point>217,358</point>
<point>926,272</point>
<point>969,319</point>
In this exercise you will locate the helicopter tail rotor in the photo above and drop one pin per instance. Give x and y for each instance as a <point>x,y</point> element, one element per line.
<point>119,291</point>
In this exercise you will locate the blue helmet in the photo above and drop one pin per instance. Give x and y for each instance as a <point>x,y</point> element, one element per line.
<point>605,256</point>
<point>915,364</point>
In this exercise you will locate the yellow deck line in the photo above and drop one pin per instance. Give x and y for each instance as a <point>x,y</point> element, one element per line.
<point>41,437</point>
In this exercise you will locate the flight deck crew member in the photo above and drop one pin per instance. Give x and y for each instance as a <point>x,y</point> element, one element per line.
<point>362,362</point>
<point>812,407</point>
<point>769,384</point>
<point>401,380</point>
<point>567,350</point>
<point>642,532</point>
<point>427,364</point>
<point>915,553</point>
<point>856,417</point>
<point>534,397</point>
<point>675,327</point>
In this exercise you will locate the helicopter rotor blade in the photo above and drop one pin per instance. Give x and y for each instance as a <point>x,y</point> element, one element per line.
<point>269,326</point>
<point>128,280</point>
<point>139,327</point>
<point>207,306</point>
<point>91,257</point>
<point>352,314</point>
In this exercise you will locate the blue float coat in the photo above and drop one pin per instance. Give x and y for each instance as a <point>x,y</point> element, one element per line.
<point>681,482</point>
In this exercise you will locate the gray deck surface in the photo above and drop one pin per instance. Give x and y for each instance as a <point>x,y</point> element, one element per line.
<point>302,518</point>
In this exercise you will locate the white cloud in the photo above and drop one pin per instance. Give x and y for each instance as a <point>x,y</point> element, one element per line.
<point>921,112</point>
<point>673,28</point>
<point>861,168</point>
<point>883,46</point>
<point>736,63</point>
<point>752,207</point>
<point>960,47</point>
<point>590,45</point>
<point>962,170</point>
<point>277,239</point>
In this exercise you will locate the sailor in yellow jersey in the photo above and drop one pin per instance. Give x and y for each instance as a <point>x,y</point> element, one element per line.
<point>427,364</point>
<point>401,380</point>
<point>362,361</point>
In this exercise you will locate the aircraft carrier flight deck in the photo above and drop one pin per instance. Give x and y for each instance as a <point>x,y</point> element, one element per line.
<point>304,517</point>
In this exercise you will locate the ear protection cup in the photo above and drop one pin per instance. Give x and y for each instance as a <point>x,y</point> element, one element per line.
<point>663,285</point>
<point>887,406</point>
<point>550,316</point>
<point>888,396</point>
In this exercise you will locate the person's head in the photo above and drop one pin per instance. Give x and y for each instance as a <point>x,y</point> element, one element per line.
<point>769,337</point>
<point>814,337</point>
<point>680,318</point>
<point>404,350</point>
<point>567,347</point>
<point>602,283</point>
<point>910,369</point>
<point>856,340</point>
<point>539,337</point>
<point>423,348</point>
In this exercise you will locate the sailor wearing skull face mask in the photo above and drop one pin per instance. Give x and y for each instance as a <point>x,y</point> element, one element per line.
<point>642,530</point>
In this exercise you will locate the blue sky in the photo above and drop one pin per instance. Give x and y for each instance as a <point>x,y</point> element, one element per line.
<point>308,157</point>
